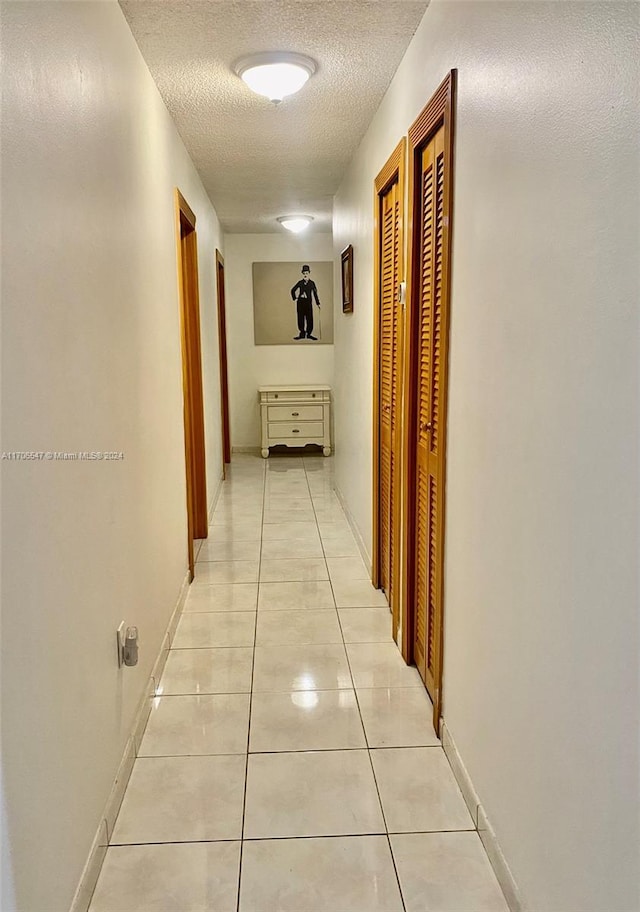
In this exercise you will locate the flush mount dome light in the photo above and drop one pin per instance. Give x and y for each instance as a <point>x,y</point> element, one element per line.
<point>295,223</point>
<point>275,75</point>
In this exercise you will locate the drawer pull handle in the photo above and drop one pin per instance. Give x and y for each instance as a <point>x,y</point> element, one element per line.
<point>313,395</point>
<point>295,414</point>
<point>275,396</point>
<point>296,431</point>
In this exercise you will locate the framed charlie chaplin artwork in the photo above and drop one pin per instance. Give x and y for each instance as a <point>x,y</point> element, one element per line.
<point>293,303</point>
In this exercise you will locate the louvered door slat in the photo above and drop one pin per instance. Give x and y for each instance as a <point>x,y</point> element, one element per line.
<point>425,302</point>
<point>386,382</point>
<point>396,315</point>
<point>437,304</point>
<point>389,214</point>
<point>432,571</point>
<point>427,584</point>
<point>420,622</point>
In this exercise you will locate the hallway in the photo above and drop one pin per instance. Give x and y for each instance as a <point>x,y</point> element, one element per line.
<point>287,719</point>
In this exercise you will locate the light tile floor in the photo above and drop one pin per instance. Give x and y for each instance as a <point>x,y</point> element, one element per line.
<point>289,763</point>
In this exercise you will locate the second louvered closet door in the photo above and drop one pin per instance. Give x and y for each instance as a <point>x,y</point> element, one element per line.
<point>428,494</point>
<point>390,215</point>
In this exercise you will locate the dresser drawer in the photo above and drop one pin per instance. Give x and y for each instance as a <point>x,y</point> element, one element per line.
<point>296,396</point>
<point>295,429</point>
<point>294,412</point>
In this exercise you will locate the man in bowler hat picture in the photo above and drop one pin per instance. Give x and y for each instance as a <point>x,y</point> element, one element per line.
<point>303,293</point>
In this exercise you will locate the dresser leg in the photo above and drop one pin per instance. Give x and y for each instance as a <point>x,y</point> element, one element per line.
<point>326,451</point>
<point>265,454</point>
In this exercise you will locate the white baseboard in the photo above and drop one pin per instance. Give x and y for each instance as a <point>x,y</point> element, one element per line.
<point>126,767</point>
<point>91,870</point>
<point>106,826</point>
<point>366,557</point>
<point>216,498</point>
<point>498,863</point>
<point>173,623</point>
<point>460,772</point>
<point>481,823</point>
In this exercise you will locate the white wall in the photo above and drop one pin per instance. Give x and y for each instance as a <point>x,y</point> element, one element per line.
<point>541,595</point>
<point>91,361</point>
<point>250,365</point>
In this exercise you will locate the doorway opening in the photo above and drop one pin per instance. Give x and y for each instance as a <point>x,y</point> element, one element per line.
<point>194,435</point>
<point>224,378</point>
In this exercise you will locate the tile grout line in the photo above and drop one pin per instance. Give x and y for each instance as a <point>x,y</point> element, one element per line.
<point>124,845</point>
<point>364,731</point>
<point>368,748</point>
<point>333,594</point>
<point>324,555</point>
<point>253,664</point>
<point>276,753</point>
<point>373,773</point>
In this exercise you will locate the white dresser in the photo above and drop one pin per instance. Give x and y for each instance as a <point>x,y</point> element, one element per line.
<point>295,416</point>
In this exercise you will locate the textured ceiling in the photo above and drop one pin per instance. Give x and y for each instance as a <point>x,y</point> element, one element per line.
<point>256,160</point>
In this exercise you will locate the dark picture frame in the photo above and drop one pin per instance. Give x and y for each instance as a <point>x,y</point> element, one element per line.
<point>347,279</point>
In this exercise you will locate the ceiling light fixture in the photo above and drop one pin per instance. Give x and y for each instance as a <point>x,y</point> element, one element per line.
<point>295,223</point>
<point>274,74</point>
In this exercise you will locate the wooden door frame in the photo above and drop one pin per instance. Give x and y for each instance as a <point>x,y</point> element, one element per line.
<point>195,461</point>
<point>393,171</point>
<point>438,112</point>
<point>224,375</point>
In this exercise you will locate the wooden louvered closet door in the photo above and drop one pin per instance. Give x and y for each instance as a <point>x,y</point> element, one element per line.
<point>429,424</point>
<point>390,233</point>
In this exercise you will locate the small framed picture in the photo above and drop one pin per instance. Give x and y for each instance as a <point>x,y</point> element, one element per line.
<point>347,279</point>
